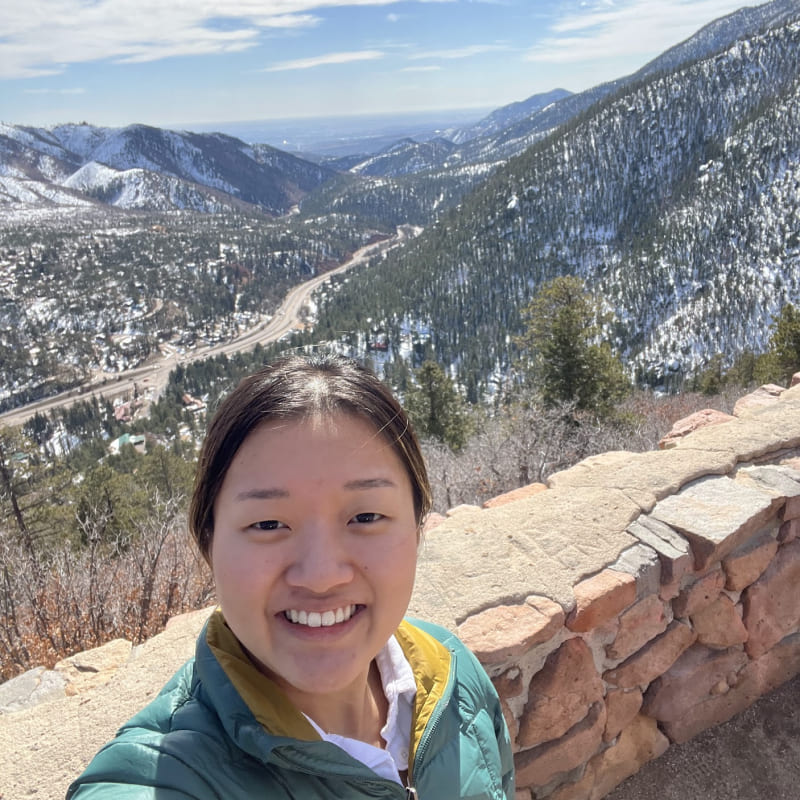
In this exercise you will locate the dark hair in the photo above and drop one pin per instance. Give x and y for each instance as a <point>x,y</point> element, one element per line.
<point>295,387</point>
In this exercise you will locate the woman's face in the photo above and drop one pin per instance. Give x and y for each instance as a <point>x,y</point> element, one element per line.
<point>314,550</point>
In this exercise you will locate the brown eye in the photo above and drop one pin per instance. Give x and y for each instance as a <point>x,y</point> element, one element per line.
<point>267,525</point>
<point>367,517</point>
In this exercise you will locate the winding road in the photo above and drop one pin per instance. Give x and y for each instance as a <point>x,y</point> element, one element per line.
<point>155,376</point>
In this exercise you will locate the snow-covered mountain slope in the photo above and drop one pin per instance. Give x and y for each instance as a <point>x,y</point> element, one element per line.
<point>677,200</point>
<point>150,168</point>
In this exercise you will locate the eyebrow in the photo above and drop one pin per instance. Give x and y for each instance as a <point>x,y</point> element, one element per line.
<point>357,485</point>
<point>262,494</point>
<point>370,483</point>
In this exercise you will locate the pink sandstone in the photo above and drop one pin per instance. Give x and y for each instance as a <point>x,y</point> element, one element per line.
<point>506,632</point>
<point>641,742</point>
<point>687,425</point>
<point>560,694</point>
<point>690,681</point>
<point>639,624</point>
<point>621,708</point>
<point>540,765</point>
<point>745,567</point>
<point>772,603</point>
<point>763,396</point>
<point>704,591</point>
<point>600,598</point>
<point>719,625</point>
<point>515,494</point>
<point>654,659</point>
<point>789,531</point>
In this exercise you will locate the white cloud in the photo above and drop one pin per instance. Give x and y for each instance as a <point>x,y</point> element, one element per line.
<point>323,60</point>
<point>42,37</point>
<point>461,52</point>
<point>430,68</point>
<point>56,91</point>
<point>604,29</point>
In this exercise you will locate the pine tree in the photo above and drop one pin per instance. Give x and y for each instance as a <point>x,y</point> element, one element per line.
<point>436,408</point>
<point>565,361</point>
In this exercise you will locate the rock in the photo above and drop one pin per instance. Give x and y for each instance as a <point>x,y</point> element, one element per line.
<point>674,553</point>
<point>93,667</point>
<point>689,681</point>
<point>789,531</point>
<point>763,396</point>
<point>719,625</point>
<point>745,565</point>
<point>600,598</point>
<point>687,425</point>
<point>772,603</point>
<point>515,494</point>
<point>505,632</point>
<point>464,507</point>
<point>432,521</point>
<point>702,592</point>
<point>715,515</point>
<point>540,765</point>
<point>643,563</point>
<point>639,624</point>
<point>560,694</point>
<point>621,707</point>
<point>35,686</point>
<point>640,742</point>
<point>654,659</point>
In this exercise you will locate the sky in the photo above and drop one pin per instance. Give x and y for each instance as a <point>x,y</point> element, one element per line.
<point>176,62</point>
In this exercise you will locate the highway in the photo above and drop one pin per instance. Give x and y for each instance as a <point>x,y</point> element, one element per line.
<point>155,376</point>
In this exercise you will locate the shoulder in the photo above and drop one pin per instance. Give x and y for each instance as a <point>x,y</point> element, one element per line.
<point>165,748</point>
<point>467,668</point>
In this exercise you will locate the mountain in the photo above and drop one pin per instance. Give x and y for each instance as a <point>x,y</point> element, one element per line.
<point>510,130</point>
<point>149,168</point>
<point>676,198</point>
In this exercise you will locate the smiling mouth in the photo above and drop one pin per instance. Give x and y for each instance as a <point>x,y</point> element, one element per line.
<point>320,619</point>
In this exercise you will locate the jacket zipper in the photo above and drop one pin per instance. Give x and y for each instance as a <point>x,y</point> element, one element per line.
<point>411,792</point>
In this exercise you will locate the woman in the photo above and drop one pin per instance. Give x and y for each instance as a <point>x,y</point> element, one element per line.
<point>307,682</point>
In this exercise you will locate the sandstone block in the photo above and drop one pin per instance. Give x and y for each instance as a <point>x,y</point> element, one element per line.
<point>640,742</point>
<point>621,708</point>
<point>702,592</point>
<point>93,667</point>
<point>745,565</point>
<point>35,686</point>
<point>505,632</point>
<point>560,694</point>
<point>716,514</point>
<point>690,681</point>
<point>719,625</point>
<point>772,603</point>
<point>674,553</point>
<point>515,494</point>
<point>687,425</point>
<point>542,764</point>
<point>509,683</point>
<point>789,531</point>
<point>777,666</point>
<point>639,624</point>
<point>643,563</point>
<point>599,598</point>
<point>654,659</point>
<point>763,396</point>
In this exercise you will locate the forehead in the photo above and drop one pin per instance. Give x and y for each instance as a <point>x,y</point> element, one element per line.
<point>316,445</point>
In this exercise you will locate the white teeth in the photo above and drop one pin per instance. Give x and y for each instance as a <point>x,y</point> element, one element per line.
<point>317,619</point>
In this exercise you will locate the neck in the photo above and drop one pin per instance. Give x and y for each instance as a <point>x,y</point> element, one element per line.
<point>357,712</point>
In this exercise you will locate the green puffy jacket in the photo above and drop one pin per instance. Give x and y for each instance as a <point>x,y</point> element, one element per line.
<point>201,740</point>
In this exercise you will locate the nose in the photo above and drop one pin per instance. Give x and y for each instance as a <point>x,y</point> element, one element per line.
<point>321,561</point>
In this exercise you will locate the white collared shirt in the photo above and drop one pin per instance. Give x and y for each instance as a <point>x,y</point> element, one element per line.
<point>400,689</point>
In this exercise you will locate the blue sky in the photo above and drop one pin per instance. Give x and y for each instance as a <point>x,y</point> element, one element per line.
<point>174,62</point>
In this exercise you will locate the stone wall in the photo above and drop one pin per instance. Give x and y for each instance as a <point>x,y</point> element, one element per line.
<point>636,600</point>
